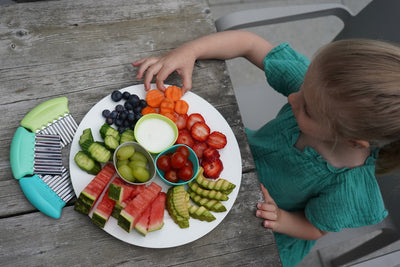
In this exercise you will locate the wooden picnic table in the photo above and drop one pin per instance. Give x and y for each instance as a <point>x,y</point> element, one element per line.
<point>83,49</point>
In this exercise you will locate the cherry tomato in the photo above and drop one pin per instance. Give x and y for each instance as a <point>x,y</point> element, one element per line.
<point>189,163</point>
<point>185,173</point>
<point>178,160</point>
<point>171,176</point>
<point>184,150</point>
<point>164,163</point>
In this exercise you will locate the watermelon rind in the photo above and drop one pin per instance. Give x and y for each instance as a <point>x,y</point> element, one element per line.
<point>125,221</point>
<point>84,203</point>
<point>99,220</point>
<point>115,192</point>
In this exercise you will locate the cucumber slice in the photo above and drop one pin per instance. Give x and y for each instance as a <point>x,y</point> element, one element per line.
<point>86,163</point>
<point>98,152</point>
<point>86,136</point>
<point>106,130</point>
<point>110,142</point>
<point>127,136</point>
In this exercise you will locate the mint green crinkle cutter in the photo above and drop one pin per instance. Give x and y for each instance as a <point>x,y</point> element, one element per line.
<point>36,155</point>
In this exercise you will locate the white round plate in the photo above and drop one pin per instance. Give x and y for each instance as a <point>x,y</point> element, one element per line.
<point>170,235</point>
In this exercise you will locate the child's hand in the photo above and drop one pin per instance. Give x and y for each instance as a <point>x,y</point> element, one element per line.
<point>180,60</point>
<point>268,210</point>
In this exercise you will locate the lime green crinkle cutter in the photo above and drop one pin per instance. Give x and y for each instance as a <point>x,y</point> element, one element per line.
<point>36,155</point>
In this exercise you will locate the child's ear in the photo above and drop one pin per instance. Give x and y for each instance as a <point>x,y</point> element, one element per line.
<point>357,143</point>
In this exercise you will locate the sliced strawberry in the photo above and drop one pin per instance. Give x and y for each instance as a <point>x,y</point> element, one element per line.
<point>181,120</point>
<point>200,131</point>
<point>198,148</point>
<point>212,169</point>
<point>193,118</point>
<point>216,140</point>
<point>210,154</point>
<point>185,138</point>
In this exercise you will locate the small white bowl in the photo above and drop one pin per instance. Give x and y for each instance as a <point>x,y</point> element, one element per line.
<point>155,132</point>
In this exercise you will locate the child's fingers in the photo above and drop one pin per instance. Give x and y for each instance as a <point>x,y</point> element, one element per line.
<point>186,80</point>
<point>144,64</point>
<point>162,75</point>
<point>267,196</point>
<point>267,211</point>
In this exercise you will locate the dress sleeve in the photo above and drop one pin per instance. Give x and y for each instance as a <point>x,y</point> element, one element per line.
<point>354,200</point>
<point>285,69</point>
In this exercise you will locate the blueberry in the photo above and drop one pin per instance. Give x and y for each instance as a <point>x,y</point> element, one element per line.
<point>109,121</point>
<point>131,117</point>
<point>138,116</point>
<point>143,103</point>
<point>128,105</point>
<point>126,95</point>
<point>137,109</point>
<point>116,96</point>
<point>121,129</point>
<point>119,108</point>
<point>106,113</point>
<point>126,123</point>
<point>134,100</point>
<point>124,115</point>
<point>119,122</point>
<point>113,114</point>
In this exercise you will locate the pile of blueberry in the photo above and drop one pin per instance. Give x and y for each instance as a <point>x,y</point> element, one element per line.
<point>124,116</point>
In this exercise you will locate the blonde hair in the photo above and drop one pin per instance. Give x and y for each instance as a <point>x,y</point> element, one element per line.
<point>360,94</point>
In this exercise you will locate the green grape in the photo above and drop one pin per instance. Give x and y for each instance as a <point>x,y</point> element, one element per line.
<point>122,162</point>
<point>133,164</point>
<point>126,173</point>
<point>141,174</point>
<point>138,156</point>
<point>125,152</point>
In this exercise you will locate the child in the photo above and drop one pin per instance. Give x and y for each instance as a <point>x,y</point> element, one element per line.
<point>316,160</point>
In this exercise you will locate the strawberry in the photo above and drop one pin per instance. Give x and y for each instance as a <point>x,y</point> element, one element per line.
<point>212,169</point>
<point>185,138</point>
<point>181,120</point>
<point>193,118</point>
<point>216,140</point>
<point>210,154</point>
<point>200,131</point>
<point>198,148</point>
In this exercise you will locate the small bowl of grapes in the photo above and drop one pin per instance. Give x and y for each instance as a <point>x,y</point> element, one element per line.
<point>177,165</point>
<point>134,164</point>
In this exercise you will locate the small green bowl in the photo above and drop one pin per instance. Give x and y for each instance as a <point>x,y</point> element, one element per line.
<point>155,132</point>
<point>192,157</point>
<point>150,161</point>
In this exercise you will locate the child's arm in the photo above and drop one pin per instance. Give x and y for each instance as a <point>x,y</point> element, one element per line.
<point>294,224</point>
<point>222,45</point>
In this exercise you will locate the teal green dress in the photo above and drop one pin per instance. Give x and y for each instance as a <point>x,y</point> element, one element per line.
<point>331,198</point>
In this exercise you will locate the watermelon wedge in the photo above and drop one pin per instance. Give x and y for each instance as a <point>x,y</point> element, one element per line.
<point>153,217</point>
<point>143,222</point>
<point>89,195</point>
<point>119,190</point>
<point>130,192</point>
<point>103,210</point>
<point>131,214</point>
<point>156,220</point>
